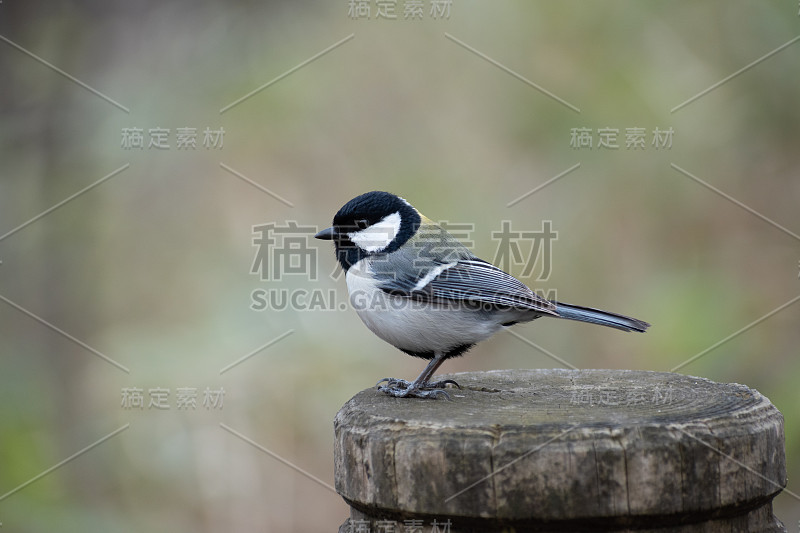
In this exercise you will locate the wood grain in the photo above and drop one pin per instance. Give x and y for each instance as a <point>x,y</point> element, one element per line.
<point>565,450</point>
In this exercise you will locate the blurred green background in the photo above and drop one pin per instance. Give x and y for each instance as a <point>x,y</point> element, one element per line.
<point>151,267</point>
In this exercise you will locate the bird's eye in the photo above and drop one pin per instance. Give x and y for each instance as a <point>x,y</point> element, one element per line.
<point>362,223</point>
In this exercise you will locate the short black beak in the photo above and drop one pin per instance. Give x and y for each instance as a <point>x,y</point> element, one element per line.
<point>326,234</point>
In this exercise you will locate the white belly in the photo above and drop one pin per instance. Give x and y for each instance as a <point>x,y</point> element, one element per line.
<point>412,325</point>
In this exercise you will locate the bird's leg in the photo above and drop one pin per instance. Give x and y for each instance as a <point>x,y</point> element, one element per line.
<point>421,387</point>
<point>424,379</point>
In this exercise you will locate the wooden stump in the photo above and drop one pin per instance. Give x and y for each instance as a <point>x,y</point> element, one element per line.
<point>563,450</point>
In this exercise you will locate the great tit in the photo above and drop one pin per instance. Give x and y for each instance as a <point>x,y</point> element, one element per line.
<point>418,288</point>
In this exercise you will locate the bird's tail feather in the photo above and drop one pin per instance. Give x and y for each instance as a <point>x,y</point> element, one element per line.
<point>603,318</point>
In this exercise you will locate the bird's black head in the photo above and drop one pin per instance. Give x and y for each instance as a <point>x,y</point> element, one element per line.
<point>375,222</point>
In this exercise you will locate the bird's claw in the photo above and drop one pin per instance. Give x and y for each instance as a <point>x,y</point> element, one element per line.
<point>440,384</point>
<point>400,388</point>
<point>392,382</point>
<point>413,392</point>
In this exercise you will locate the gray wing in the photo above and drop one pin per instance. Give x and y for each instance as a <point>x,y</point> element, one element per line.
<point>467,280</point>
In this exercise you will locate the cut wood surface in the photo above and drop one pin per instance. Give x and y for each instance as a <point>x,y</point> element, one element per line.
<point>565,450</point>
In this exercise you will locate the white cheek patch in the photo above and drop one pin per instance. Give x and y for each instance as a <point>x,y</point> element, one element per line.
<point>379,235</point>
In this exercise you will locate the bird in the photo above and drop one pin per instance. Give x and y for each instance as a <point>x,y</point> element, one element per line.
<point>421,290</point>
